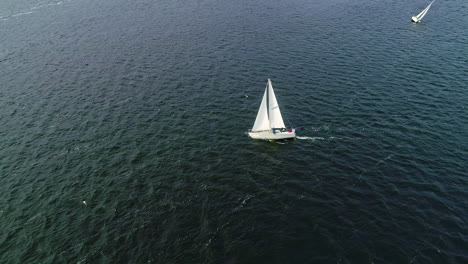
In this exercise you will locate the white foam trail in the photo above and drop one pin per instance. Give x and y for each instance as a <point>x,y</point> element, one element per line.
<point>311,138</point>
<point>34,8</point>
<point>21,14</point>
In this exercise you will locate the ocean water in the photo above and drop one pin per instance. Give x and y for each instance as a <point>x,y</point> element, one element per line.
<point>122,132</point>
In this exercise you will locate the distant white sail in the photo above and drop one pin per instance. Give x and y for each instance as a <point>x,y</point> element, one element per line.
<point>262,122</point>
<point>276,120</point>
<point>423,13</point>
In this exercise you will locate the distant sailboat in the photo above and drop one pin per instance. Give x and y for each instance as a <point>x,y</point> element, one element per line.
<point>417,19</point>
<point>269,122</point>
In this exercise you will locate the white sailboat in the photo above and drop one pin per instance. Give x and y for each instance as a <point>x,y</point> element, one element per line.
<point>269,122</point>
<point>417,18</point>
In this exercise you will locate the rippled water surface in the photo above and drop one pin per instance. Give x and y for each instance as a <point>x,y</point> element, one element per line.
<point>122,132</point>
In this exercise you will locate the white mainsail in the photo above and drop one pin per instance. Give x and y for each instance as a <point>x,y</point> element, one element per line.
<point>423,13</point>
<point>262,122</point>
<point>276,120</point>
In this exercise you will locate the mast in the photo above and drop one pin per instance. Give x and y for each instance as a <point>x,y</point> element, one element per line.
<point>267,91</point>
<point>276,120</point>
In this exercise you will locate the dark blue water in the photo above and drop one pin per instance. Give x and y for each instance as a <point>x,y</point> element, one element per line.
<point>122,132</point>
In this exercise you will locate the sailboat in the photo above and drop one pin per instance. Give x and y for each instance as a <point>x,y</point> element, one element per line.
<point>417,18</point>
<point>269,123</point>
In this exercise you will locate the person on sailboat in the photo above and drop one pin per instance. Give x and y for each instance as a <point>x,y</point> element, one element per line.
<point>282,129</point>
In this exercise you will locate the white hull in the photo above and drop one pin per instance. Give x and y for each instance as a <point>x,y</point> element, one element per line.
<point>415,20</point>
<point>269,135</point>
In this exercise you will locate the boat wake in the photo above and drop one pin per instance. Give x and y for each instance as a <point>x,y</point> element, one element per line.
<point>33,9</point>
<point>311,138</point>
<point>329,138</point>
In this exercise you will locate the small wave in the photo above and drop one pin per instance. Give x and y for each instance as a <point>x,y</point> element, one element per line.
<point>50,4</point>
<point>123,101</point>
